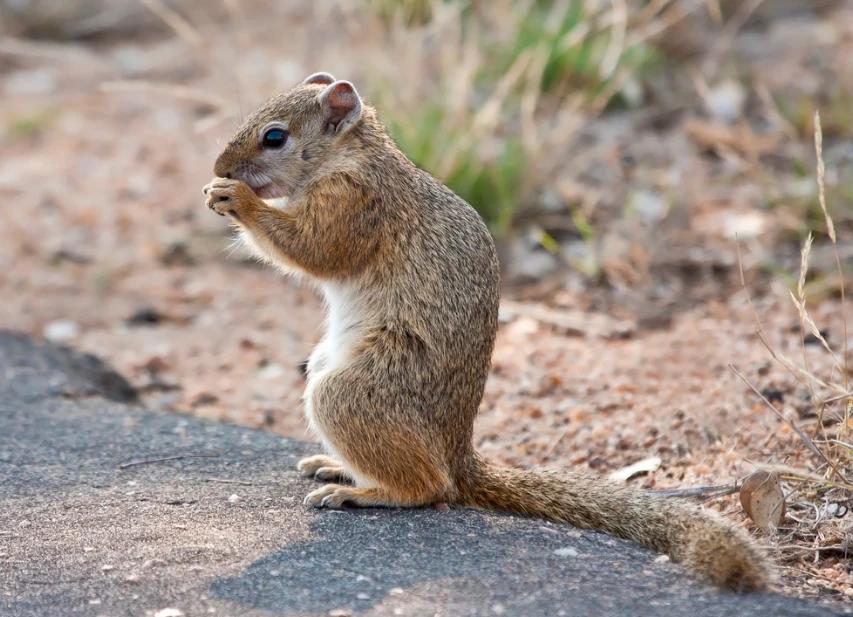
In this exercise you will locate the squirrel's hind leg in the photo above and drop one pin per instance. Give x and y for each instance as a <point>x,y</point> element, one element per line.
<point>336,496</point>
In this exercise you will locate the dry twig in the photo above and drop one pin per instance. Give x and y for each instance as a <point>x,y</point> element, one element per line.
<point>177,457</point>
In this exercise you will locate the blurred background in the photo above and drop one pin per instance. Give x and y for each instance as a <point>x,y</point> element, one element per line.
<point>647,167</point>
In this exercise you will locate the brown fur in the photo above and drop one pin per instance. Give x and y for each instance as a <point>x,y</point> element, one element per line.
<point>394,390</point>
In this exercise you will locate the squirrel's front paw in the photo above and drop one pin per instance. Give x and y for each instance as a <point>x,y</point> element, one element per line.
<point>231,197</point>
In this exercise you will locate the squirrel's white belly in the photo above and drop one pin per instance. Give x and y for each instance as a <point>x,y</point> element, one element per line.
<point>346,313</point>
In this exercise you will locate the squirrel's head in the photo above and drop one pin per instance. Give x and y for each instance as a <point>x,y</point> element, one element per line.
<point>294,136</point>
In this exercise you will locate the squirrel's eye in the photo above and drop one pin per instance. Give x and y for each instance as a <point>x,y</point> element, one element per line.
<point>274,138</point>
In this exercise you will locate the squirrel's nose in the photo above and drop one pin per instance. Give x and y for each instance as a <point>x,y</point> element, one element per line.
<point>221,169</point>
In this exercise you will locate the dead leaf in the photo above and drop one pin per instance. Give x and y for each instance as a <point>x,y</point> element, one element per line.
<point>644,466</point>
<point>762,499</point>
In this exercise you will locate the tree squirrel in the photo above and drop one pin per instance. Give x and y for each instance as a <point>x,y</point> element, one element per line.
<point>410,277</point>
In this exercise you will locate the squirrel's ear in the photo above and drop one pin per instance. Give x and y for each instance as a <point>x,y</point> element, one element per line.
<point>319,78</point>
<point>341,106</point>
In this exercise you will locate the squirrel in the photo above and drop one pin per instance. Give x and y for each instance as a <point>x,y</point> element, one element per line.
<point>410,276</point>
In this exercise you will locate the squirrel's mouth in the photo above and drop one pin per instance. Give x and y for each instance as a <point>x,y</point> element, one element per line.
<point>266,191</point>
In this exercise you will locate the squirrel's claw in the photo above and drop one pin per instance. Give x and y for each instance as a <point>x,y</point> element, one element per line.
<point>328,496</point>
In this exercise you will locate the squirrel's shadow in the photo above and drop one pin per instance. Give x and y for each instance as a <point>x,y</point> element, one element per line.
<point>362,558</point>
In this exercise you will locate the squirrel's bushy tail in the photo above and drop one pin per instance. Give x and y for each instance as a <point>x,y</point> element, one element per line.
<point>702,540</point>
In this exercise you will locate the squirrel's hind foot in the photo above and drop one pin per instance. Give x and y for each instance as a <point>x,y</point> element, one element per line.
<point>335,496</point>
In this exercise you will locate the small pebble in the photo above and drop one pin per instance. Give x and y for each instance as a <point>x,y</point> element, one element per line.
<point>145,316</point>
<point>271,371</point>
<point>61,330</point>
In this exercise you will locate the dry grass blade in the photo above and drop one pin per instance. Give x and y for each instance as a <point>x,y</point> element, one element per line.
<point>804,266</point>
<point>648,12</point>
<point>806,321</point>
<point>840,397</point>
<point>675,13</point>
<point>489,115</point>
<point>186,93</point>
<point>821,176</point>
<point>714,10</point>
<point>805,438</point>
<point>616,46</point>
<point>175,21</point>
<point>809,324</point>
<point>42,50</point>
<point>802,375</point>
<point>724,41</point>
<point>801,475</point>
<point>530,100</point>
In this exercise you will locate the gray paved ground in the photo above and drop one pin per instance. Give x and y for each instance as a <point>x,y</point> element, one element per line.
<point>222,531</point>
